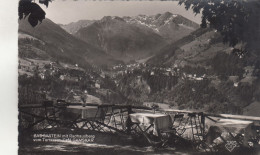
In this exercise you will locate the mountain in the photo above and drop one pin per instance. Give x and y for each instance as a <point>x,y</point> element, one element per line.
<point>60,45</point>
<point>122,40</point>
<point>132,38</point>
<point>73,27</point>
<point>170,26</point>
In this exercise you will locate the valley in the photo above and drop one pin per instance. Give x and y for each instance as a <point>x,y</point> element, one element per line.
<point>163,58</point>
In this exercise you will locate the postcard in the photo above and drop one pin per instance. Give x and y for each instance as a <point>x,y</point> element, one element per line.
<point>138,77</point>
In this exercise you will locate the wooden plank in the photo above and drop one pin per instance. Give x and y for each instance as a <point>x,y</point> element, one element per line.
<point>227,116</point>
<point>240,117</point>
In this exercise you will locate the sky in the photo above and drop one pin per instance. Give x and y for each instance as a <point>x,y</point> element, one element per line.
<point>66,11</point>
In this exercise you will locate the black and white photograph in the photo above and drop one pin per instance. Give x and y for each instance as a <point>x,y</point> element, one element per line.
<point>138,77</point>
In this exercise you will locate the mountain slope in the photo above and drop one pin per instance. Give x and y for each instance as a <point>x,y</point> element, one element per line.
<point>171,51</point>
<point>64,47</point>
<point>209,74</point>
<point>122,40</point>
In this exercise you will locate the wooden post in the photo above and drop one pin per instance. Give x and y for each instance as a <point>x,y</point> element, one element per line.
<point>128,121</point>
<point>202,120</point>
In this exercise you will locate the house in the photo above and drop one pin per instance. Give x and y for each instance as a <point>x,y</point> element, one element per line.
<point>189,76</point>
<point>199,78</point>
<point>168,69</point>
<point>102,75</point>
<point>42,76</point>
<point>167,73</point>
<point>62,77</point>
<point>97,85</point>
<point>236,84</point>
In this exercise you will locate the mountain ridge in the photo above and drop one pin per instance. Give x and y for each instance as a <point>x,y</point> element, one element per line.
<point>170,26</point>
<point>132,38</point>
<point>73,27</point>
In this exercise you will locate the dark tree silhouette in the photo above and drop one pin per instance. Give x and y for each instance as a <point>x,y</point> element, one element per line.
<point>34,12</point>
<point>238,21</point>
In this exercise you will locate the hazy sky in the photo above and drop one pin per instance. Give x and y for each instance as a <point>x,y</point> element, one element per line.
<point>66,11</point>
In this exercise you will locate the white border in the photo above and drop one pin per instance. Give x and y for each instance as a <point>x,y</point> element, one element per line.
<point>8,77</point>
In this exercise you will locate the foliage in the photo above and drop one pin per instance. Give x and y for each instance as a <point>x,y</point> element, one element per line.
<point>224,64</point>
<point>32,10</point>
<point>238,21</point>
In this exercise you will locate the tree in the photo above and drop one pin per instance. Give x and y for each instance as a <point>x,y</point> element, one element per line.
<point>238,21</point>
<point>34,12</point>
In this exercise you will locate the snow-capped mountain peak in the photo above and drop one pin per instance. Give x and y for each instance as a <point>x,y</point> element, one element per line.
<point>168,25</point>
